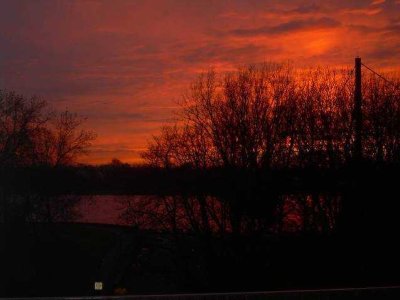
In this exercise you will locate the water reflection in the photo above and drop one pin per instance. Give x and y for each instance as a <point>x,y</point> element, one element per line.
<point>309,212</point>
<point>209,214</point>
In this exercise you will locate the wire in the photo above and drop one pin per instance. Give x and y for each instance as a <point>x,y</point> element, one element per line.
<point>379,75</point>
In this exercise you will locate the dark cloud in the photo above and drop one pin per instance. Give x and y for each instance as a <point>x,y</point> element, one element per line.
<point>392,29</point>
<point>218,52</point>
<point>288,27</point>
<point>384,54</point>
<point>307,8</point>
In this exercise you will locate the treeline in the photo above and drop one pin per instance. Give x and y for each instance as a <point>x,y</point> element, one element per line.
<point>146,180</point>
<point>249,138</point>
<point>275,116</point>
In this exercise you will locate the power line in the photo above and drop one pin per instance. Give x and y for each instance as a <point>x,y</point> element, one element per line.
<point>380,76</point>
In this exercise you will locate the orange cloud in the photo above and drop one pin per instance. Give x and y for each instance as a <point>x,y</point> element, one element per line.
<point>124,64</point>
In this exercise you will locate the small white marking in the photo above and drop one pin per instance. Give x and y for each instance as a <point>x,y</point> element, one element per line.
<point>98,285</point>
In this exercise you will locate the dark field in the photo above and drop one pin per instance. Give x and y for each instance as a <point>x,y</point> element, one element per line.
<point>66,259</point>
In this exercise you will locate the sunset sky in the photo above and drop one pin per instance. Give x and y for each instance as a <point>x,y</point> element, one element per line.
<point>124,64</point>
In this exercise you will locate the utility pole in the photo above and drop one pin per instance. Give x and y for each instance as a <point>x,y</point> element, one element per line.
<point>357,113</point>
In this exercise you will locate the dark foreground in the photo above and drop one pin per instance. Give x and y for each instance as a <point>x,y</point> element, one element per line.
<point>352,244</point>
<point>349,293</point>
<point>47,260</point>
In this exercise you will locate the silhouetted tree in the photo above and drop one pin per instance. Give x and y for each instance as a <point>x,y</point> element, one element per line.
<point>22,123</point>
<point>274,116</point>
<point>70,141</point>
<point>32,136</point>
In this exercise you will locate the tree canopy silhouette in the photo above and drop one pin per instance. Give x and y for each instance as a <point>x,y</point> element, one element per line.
<point>276,116</point>
<point>30,134</point>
